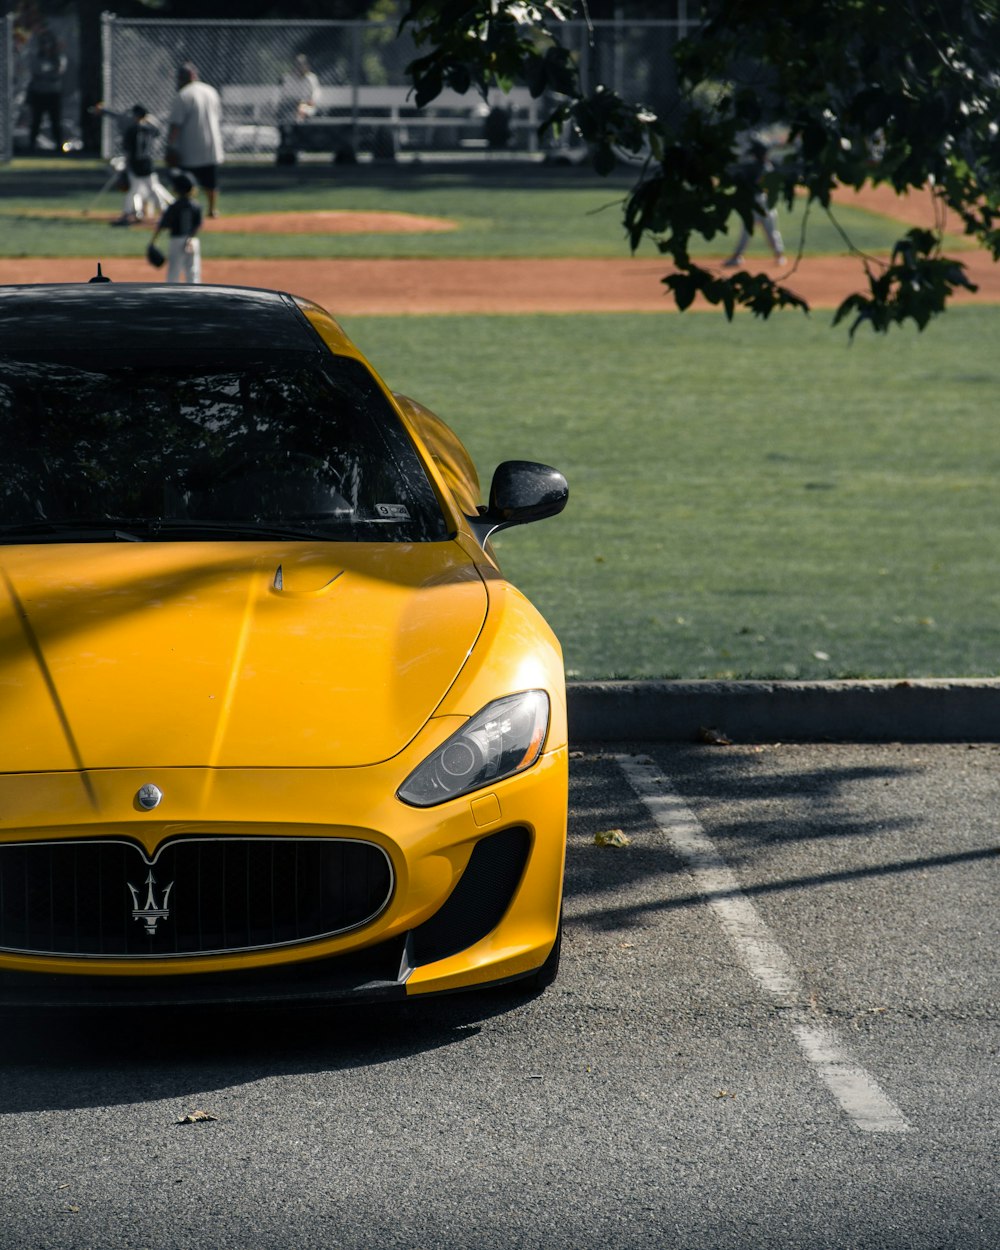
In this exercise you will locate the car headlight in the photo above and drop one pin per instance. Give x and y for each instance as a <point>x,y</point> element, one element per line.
<point>505,738</point>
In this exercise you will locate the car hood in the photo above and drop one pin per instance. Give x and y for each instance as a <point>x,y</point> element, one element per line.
<point>227,654</point>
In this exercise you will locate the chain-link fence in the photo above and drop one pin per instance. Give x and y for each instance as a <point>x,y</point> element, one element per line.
<point>24,127</point>
<point>6,86</point>
<point>633,58</point>
<point>361,66</point>
<point>364,89</point>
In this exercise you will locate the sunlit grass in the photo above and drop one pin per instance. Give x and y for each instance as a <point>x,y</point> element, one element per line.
<point>746,500</point>
<point>531,211</point>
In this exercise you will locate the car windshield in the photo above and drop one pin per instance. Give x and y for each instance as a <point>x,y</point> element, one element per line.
<point>300,445</point>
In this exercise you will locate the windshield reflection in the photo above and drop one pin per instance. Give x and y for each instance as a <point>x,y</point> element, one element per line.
<point>287,447</point>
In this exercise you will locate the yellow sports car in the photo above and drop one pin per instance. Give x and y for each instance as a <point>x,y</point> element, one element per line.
<point>273,726</point>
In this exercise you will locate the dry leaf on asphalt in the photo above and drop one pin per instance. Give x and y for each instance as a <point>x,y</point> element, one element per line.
<point>612,837</point>
<point>197,1117</point>
<point>714,737</point>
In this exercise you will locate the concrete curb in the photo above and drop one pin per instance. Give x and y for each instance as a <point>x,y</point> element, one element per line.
<point>938,710</point>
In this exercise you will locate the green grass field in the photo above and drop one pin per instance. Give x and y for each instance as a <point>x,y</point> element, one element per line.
<point>747,500</point>
<point>536,212</point>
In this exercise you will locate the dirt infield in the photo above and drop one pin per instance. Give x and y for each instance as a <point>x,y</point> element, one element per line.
<point>385,287</point>
<point>350,287</point>
<point>319,221</point>
<point>336,221</point>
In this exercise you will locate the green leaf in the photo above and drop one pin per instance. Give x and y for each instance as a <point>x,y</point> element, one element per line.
<point>905,95</point>
<point>684,288</point>
<point>603,159</point>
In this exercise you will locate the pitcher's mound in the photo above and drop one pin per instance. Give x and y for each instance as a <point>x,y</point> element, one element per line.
<point>336,221</point>
<point>340,221</point>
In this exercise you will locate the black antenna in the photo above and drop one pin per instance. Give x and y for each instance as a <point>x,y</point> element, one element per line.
<point>99,277</point>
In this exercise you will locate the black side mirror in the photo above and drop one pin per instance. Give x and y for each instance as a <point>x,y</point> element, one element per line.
<point>521,491</point>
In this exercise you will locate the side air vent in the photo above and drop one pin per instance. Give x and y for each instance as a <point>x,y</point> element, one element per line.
<point>479,900</point>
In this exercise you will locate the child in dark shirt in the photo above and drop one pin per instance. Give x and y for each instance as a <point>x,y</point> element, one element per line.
<point>182,220</point>
<point>139,136</point>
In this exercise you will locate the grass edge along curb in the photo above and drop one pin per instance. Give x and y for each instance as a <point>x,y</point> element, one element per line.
<point>931,710</point>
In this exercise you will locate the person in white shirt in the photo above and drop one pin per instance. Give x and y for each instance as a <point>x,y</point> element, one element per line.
<point>301,89</point>
<point>194,139</point>
<point>297,103</point>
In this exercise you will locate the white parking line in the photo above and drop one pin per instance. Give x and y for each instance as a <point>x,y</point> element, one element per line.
<point>857,1091</point>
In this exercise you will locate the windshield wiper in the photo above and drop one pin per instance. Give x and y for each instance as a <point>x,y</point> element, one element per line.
<point>74,531</point>
<point>149,529</point>
<point>237,529</point>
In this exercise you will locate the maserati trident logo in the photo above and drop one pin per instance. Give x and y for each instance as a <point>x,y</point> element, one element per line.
<point>150,913</point>
<point>149,796</point>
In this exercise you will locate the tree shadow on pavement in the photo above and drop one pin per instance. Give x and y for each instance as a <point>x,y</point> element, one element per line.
<point>751,806</point>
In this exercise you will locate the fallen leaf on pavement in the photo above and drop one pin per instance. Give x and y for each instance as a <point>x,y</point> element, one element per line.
<point>612,837</point>
<point>196,1117</point>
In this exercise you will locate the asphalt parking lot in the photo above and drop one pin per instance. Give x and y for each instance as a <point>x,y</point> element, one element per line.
<point>775,1026</point>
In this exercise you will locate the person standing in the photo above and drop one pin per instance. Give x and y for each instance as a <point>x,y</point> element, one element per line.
<point>301,89</point>
<point>298,102</point>
<point>194,138</point>
<point>182,220</point>
<point>45,87</point>
<point>764,215</point>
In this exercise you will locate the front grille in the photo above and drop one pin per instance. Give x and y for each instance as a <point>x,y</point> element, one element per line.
<point>199,896</point>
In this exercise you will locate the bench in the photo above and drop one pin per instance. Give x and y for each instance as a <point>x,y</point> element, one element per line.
<point>383,119</point>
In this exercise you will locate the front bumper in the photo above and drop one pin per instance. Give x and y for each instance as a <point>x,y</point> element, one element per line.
<point>372,975</point>
<point>475,900</point>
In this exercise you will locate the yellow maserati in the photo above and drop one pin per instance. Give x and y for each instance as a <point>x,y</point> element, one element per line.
<point>273,726</point>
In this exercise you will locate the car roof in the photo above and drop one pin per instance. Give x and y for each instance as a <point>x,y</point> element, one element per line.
<point>167,318</point>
